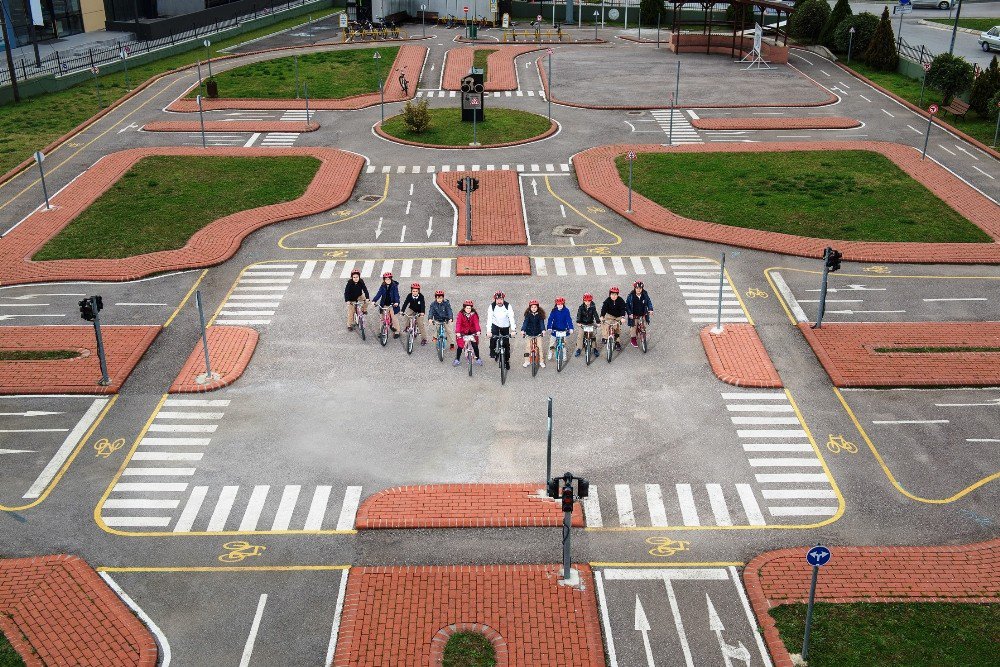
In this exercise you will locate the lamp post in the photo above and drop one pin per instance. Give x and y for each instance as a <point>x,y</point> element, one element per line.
<point>549,95</point>
<point>208,56</point>
<point>596,14</point>
<point>377,57</point>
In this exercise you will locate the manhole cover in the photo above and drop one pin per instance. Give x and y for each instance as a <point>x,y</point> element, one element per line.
<point>567,230</point>
<point>369,198</point>
<point>633,113</point>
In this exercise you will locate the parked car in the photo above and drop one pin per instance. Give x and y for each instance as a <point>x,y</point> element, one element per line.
<point>934,4</point>
<point>990,39</point>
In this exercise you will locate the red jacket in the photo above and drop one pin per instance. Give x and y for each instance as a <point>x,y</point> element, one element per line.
<point>466,325</point>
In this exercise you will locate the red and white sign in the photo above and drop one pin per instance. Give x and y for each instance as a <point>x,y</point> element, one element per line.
<point>539,18</point>
<point>631,155</point>
<point>465,8</point>
<point>933,108</point>
<point>95,71</point>
<point>927,67</point>
<point>548,51</point>
<point>474,101</point>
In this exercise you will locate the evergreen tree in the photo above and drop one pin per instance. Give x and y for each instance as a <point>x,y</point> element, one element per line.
<point>808,20</point>
<point>649,10</point>
<point>841,11</point>
<point>881,53</point>
<point>950,74</point>
<point>986,85</point>
<point>864,25</point>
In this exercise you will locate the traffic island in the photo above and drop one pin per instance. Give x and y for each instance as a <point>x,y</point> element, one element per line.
<point>496,205</point>
<point>405,615</point>
<point>229,353</point>
<point>497,61</point>
<point>227,126</point>
<point>510,265</point>
<point>33,373</point>
<point>56,610</point>
<point>738,357</point>
<point>908,354</point>
<point>811,123</point>
<point>501,127</point>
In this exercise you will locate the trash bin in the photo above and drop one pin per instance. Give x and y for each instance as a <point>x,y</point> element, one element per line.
<point>473,31</point>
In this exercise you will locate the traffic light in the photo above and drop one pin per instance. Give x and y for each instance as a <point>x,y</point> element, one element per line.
<point>582,487</point>
<point>567,498</point>
<point>87,309</point>
<point>833,258</point>
<point>552,488</point>
<point>473,184</point>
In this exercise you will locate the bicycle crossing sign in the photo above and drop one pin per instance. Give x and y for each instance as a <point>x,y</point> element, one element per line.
<point>818,556</point>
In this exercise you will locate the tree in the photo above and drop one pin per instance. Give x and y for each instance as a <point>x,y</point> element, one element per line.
<point>864,25</point>
<point>881,52</point>
<point>986,85</point>
<point>994,107</point>
<point>649,10</point>
<point>841,11</point>
<point>808,20</point>
<point>950,74</point>
<point>416,117</point>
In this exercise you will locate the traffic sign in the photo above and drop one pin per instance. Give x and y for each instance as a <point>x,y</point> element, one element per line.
<point>95,70</point>
<point>207,43</point>
<point>933,108</point>
<point>39,157</point>
<point>538,18</point>
<point>548,51</point>
<point>474,101</point>
<point>818,556</point>
<point>631,155</point>
<point>465,8</point>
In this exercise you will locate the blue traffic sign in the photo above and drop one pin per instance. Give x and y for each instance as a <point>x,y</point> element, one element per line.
<point>818,555</point>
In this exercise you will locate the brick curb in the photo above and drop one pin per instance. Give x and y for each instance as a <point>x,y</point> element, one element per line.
<point>500,69</point>
<point>69,616</point>
<point>738,357</point>
<point>123,348</point>
<point>229,350</point>
<point>462,506</point>
<point>968,573</point>
<point>402,615</point>
<point>814,123</point>
<point>847,353</point>
<point>227,126</point>
<point>498,217</point>
<point>212,244</point>
<point>598,177</point>
<point>496,265</point>
<point>553,128</point>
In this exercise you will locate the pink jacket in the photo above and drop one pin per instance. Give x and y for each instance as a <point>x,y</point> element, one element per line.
<point>466,325</point>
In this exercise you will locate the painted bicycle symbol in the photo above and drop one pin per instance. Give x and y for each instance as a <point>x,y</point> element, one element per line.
<point>343,214</point>
<point>599,250</point>
<point>754,293</point>
<point>878,269</point>
<point>237,551</point>
<point>664,546</point>
<point>836,444</point>
<point>335,253</point>
<point>106,448</point>
<point>595,209</point>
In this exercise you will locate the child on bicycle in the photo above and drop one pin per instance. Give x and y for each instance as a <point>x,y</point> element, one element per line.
<point>638,304</point>
<point>612,310</point>
<point>414,305</point>
<point>355,291</point>
<point>560,321</point>
<point>586,316</point>
<point>467,324</point>
<point>439,313</point>
<point>533,327</point>
<point>499,322</point>
<point>388,296</point>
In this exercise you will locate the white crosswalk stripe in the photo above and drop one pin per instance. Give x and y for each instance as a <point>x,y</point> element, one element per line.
<point>297,116</point>
<point>658,506</point>
<point>698,280</point>
<point>548,168</point>
<point>279,139</point>
<point>682,131</point>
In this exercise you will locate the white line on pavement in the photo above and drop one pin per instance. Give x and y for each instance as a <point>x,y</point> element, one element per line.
<point>161,638</point>
<point>910,421</point>
<point>974,298</point>
<point>786,292</point>
<point>750,617</point>
<point>335,628</point>
<point>254,627</point>
<point>689,511</point>
<point>67,447</point>
<point>350,509</point>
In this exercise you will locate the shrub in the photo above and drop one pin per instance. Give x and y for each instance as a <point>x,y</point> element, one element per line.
<point>416,117</point>
<point>864,25</point>
<point>881,52</point>
<point>840,12</point>
<point>994,107</point>
<point>986,85</point>
<point>808,20</point>
<point>649,10</point>
<point>950,74</point>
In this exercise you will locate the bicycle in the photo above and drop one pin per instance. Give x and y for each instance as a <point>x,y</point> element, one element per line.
<point>503,355</point>
<point>411,332</point>
<point>560,346</point>
<point>359,318</point>
<point>534,356</point>
<point>383,334</point>
<point>640,332</point>
<point>589,341</point>
<point>613,331</point>
<point>470,354</point>
<point>442,340</point>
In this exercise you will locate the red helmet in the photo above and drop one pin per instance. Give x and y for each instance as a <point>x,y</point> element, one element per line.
<point>468,303</point>
<point>533,302</point>
<point>387,274</point>
<point>636,284</point>
<point>415,286</point>
<point>355,272</point>
<point>440,292</point>
<point>588,297</point>
<point>560,300</point>
<point>615,290</point>
<point>499,295</point>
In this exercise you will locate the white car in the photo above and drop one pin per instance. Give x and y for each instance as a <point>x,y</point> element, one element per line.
<point>938,4</point>
<point>990,39</point>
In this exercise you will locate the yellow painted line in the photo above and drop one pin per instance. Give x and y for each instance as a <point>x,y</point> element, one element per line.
<point>385,194</point>
<point>685,564</point>
<point>548,186</point>
<point>229,568</point>
<point>743,305</point>
<point>65,466</point>
<point>892,478</point>
<point>185,299</point>
<point>777,293</point>
<point>841,504</point>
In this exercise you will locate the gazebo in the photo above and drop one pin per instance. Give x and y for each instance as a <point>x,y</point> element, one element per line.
<point>736,44</point>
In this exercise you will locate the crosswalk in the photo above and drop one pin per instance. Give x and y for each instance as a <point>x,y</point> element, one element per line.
<point>656,505</point>
<point>682,132</point>
<point>505,93</point>
<point>698,279</point>
<point>257,294</point>
<point>297,116</point>
<point>214,139</point>
<point>279,139</point>
<point>547,168</point>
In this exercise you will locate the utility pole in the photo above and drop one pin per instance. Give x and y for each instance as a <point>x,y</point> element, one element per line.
<point>831,262</point>
<point>954,29</point>
<point>10,55</point>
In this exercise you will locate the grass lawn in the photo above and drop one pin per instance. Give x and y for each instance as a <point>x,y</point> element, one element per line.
<point>163,200</point>
<point>469,649</point>
<point>8,656</point>
<point>919,634</point>
<point>848,195</point>
<point>330,76</point>
<point>36,122</point>
<point>982,129</point>
<point>479,59</point>
<point>447,128</point>
<point>982,25</point>
<point>37,355</point>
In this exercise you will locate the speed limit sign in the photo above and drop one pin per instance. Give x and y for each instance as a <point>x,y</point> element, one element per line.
<point>631,155</point>
<point>933,108</point>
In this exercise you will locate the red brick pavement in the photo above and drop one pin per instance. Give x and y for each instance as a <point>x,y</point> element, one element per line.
<point>497,215</point>
<point>598,177</point>
<point>56,610</point>
<point>396,616</point>
<point>500,69</point>
<point>847,352</point>
<point>809,123</point>
<point>213,244</point>
<point>723,44</point>
<point>409,60</point>
<point>969,573</point>
<point>553,127</point>
<point>738,356</point>
<point>227,126</point>
<point>123,347</point>
<point>463,506</point>
<point>229,351</point>
<point>509,265</point>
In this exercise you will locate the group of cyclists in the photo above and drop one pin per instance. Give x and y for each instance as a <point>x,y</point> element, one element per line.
<point>501,319</point>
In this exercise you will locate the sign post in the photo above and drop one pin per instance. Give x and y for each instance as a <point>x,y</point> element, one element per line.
<point>208,57</point>
<point>904,8</point>
<point>923,81</point>
<point>97,85</point>
<point>850,43</point>
<point>474,102</point>
<point>722,283</point>
<point>596,14</point>
<point>818,556</point>
<point>548,447</point>
<point>548,93</point>
<point>40,158</point>
<point>631,157</point>
<point>996,133</point>
<point>296,61</point>
<point>933,109</point>
<point>201,120</point>
<point>123,54</point>
<point>423,19</point>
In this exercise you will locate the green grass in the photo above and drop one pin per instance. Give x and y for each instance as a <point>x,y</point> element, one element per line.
<point>469,649</point>
<point>447,128</point>
<point>479,60</point>
<point>934,350</point>
<point>37,355</point>
<point>8,656</point>
<point>982,25</point>
<point>38,121</point>
<point>330,76</point>
<point>919,634</point>
<point>974,125</point>
<point>163,200</point>
<point>847,195</point>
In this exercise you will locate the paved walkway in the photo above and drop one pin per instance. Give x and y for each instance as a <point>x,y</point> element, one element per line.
<point>501,73</point>
<point>229,352</point>
<point>497,212</point>
<point>510,265</point>
<point>738,356</point>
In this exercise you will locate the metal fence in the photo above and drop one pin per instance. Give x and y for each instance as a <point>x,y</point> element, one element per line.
<point>67,62</point>
<point>919,55</point>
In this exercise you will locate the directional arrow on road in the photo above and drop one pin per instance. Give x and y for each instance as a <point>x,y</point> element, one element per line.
<point>32,296</point>
<point>729,652</point>
<point>29,413</point>
<point>430,225</point>
<point>378,230</point>
<point>17,451</point>
<point>642,625</point>
<point>534,186</point>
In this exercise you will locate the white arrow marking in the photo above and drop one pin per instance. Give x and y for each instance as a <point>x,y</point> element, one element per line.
<point>378,230</point>
<point>729,652</point>
<point>29,413</point>
<point>534,186</point>
<point>991,401</point>
<point>430,225</point>
<point>32,296</point>
<point>127,128</point>
<point>642,625</point>
<point>17,451</point>
<point>860,312</point>
<point>10,317</point>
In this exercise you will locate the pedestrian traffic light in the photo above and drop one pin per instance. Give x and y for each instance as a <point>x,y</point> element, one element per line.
<point>87,309</point>
<point>552,488</point>
<point>582,487</point>
<point>473,184</point>
<point>567,498</point>
<point>833,258</point>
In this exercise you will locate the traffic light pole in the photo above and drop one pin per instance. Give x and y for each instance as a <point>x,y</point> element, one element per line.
<point>468,208</point>
<point>567,529</point>
<point>548,447</point>
<point>822,289</point>
<point>105,380</point>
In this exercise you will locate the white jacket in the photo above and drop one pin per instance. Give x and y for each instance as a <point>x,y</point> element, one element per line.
<point>497,314</point>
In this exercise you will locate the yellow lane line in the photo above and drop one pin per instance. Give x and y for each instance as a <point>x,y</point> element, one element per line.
<point>777,292</point>
<point>185,299</point>
<point>229,568</point>
<point>892,478</point>
<point>385,194</point>
<point>618,239</point>
<point>841,504</point>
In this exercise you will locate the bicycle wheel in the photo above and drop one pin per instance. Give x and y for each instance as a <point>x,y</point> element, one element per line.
<point>534,361</point>
<point>471,361</point>
<point>642,341</point>
<point>559,357</point>
<point>361,327</point>
<point>502,359</point>
<point>587,348</point>
<point>410,337</point>
<point>441,345</point>
<point>611,347</point>
<point>383,334</point>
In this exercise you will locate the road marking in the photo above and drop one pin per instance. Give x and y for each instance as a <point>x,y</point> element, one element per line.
<point>675,610</point>
<point>750,506</point>
<point>887,113</point>
<point>982,439</point>
<point>626,515</point>
<point>140,503</point>
<point>149,487</point>
<point>812,510</point>
<point>191,509</point>
<point>786,292</point>
<point>654,500</point>
<point>945,150</point>
<point>592,510</point>
<point>190,415</point>
<point>254,507</point>
<point>254,627</point>
<point>350,509</point>
<point>718,502</point>
<point>69,444</point>
<point>136,521</point>
<point>754,396</point>
<point>167,456</point>
<point>967,153</point>
<point>307,270</point>
<point>786,463</point>
<point>286,506</point>
<point>317,508</point>
<point>983,173</point>
<point>751,619</point>
<point>222,508</point>
<point>863,97</point>
<point>161,639</point>
<point>914,129</point>
<point>795,478</point>
<point>183,428</point>
<point>785,494</point>
<point>689,512</point>
<point>35,430</point>
<point>335,628</point>
<point>785,433</point>
<point>777,447</point>
<point>975,298</point>
<point>764,420</point>
<point>909,421</point>
<point>759,408</point>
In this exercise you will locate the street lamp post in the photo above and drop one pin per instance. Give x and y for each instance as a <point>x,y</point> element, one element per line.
<point>596,14</point>
<point>954,29</point>
<point>381,89</point>
<point>549,92</point>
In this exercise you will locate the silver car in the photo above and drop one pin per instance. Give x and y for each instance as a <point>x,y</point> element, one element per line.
<point>990,39</point>
<point>938,4</point>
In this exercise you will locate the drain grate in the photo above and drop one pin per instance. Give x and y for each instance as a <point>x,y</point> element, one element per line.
<point>369,198</point>
<point>634,113</point>
<point>567,230</point>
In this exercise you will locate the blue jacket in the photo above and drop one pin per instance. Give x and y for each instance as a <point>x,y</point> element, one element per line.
<point>533,325</point>
<point>385,297</point>
<point>639,306</point>
<point>560,320</point>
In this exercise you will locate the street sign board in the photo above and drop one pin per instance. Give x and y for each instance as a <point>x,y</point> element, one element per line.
<point>207,43</point>
<point>631,155</point>
<point>343,20</point>
<point>506,20</point>
<point>927,67</point>
<point>613,14</point>
<point>465,8</point>
<point>95,70</point>
<point>474,101</point>
<point>548,51</point>
<point>538,18</point>
<point>39,157</point>
<point>933,108</point>
<point>818,556</point>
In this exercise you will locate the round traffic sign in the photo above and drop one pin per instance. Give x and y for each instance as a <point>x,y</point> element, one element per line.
<point>818,556</point>
<point>95,70</point>
<point>423,7</point>
<point>207,43</point>
<point>465,8</point>
<point>548,51</point>
<point>933,108</point>
<point>538,18</point>
<point>631,155</point>
<point>613,14</point>
<point>39,157</point>
<point>927,67</point>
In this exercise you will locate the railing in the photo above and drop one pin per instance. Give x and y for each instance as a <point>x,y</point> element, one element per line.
<point>362,34</point>
<point>918,55</point>
<point>536,35</point>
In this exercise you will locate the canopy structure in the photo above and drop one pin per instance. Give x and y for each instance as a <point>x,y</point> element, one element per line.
<point>693,35</point>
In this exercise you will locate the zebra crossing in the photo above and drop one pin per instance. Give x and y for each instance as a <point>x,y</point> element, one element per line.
<point>656,505</point>
<point>698,279</point>
<point>297,116</point>
<point>541,169</point>
<point>683,132</point>
<point>214,139</point>
<point>504,93</point>
<point>279,139</point>
<point>257,294</point>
